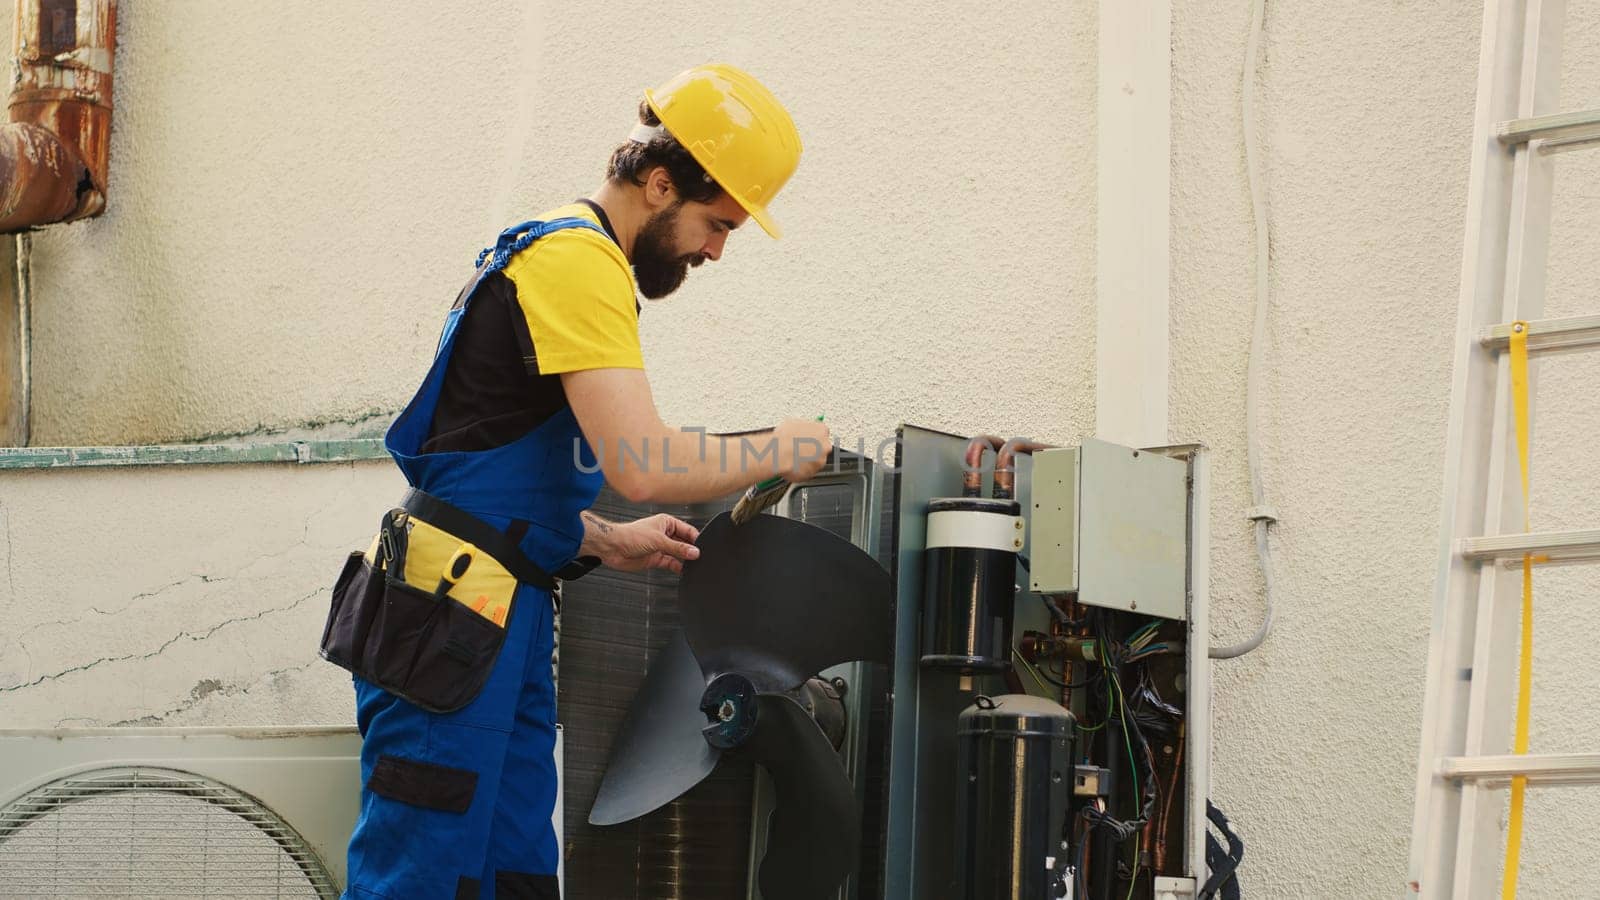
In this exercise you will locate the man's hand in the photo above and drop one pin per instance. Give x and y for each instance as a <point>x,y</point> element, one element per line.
<point>657,542</point>
<point>802,448</point>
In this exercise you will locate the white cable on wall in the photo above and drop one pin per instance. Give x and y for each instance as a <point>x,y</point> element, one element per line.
<point>1261,514</point>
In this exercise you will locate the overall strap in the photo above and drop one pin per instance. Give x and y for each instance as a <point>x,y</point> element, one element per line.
<point>517,238</point>
<point>472,529</point>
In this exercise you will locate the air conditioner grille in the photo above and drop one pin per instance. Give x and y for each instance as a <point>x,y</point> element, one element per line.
<point>147,832</point>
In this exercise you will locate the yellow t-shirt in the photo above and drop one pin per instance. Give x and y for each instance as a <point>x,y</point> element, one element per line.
<point>577,292</point>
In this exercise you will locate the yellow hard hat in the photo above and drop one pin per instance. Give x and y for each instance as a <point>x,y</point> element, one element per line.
<point>735,129</point>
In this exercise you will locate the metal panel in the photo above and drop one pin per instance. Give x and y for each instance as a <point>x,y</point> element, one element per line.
<point>1197,780</point>
<point>920,842</point>
<point>1053,521</point>
<point>1133,547</point>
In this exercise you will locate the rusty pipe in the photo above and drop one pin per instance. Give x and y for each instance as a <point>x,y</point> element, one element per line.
<point>972,474</point>
<point>55,151</point>
<point>1005,465</point>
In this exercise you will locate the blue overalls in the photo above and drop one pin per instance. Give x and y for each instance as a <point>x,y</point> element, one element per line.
<point>464,804</point>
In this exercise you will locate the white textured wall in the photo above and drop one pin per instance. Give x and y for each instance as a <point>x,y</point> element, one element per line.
<point>1366,114</point>
<point>189,595</point>
<point>298,189</point>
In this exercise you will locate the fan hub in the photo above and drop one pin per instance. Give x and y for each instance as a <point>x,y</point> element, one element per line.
<point>729,704</point>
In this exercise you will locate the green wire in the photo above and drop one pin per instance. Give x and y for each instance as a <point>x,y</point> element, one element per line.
<point>1113,699</point>
<point>1133,770</point>
<point>1035,675</point>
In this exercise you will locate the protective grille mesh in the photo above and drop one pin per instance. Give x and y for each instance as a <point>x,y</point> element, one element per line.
<point>145,832</point>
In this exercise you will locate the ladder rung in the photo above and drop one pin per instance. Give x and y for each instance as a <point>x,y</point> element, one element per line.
<point>1562,545</point>
<point>1548,768</point>
<point>1572,333</point>
<point>1568,126</point>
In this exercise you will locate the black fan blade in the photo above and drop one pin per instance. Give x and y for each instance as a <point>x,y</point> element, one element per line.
<point>660,752</point>
<point>815,832</point>
<point>779,601</point>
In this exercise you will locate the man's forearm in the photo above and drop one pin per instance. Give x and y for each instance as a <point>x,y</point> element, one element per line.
<point>691,466</point>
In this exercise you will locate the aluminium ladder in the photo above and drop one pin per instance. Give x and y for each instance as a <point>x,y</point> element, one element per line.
<point>1473,652</point>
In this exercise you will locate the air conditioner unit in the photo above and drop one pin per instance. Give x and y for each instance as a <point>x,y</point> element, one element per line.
<point>1118,539</point>
<point>165,812</point>
<point>179,812</point>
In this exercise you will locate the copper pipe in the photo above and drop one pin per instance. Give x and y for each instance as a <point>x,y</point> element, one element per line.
<point>972,474</point>
<point>1005,465</point>
<point>55,152</point>
<point>1166,808</point>
<point>1145,837</point>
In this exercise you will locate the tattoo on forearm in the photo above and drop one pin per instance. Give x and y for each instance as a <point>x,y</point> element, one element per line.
<point>600,525</point>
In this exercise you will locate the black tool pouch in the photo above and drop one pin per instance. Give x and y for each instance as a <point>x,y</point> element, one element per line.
<point>358,596</point>
<point>421,646</point>
<point>424,646</point>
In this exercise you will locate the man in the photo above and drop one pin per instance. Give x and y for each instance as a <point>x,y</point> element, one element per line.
<point>538,390</point>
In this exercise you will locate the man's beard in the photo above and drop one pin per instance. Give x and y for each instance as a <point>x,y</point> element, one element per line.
<point>658,271</point>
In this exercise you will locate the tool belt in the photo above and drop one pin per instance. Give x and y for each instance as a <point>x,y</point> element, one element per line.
<point>423,612</point>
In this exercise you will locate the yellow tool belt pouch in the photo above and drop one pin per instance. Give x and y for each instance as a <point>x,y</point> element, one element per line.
<point>422,614</point>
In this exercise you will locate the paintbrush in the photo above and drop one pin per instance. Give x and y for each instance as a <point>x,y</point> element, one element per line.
<point>762,496</point>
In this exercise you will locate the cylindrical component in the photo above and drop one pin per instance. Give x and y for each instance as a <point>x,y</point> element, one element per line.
<point>970,577</point>
<point>1015,758</point>
<point>55,152</point>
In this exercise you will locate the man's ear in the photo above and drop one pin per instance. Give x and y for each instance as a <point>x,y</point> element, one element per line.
<point>658,188</point>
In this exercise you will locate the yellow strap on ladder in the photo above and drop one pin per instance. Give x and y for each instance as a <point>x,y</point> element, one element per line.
<point>1519,783</point>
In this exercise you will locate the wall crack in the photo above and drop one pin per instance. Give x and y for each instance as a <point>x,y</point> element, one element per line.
<point>194,636</point>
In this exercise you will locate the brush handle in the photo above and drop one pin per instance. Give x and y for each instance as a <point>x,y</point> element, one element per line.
<point>763,495</point>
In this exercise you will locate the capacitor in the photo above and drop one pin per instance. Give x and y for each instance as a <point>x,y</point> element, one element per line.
<point>970,572</point>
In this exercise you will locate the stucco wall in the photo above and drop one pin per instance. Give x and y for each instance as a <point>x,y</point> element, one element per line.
<point>298,189</point>
<point>178,595</point>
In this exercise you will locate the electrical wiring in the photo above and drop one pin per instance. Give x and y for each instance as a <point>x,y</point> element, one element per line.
<point>1260,514</point>
<point>1133,770</point>
<point>1143,636</point>
<point>1147,652</point>
<point>1031,671</point>
<point>1117,707</point>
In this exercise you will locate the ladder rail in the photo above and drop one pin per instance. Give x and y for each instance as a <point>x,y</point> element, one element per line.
<point>1467,708</point>
<point>1492,702</point>
<point>1454,622</point>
